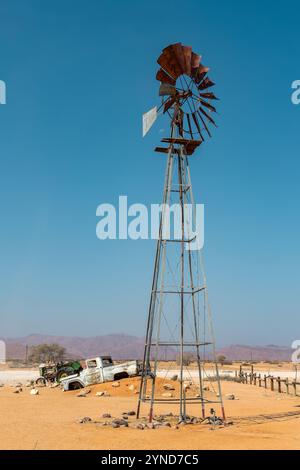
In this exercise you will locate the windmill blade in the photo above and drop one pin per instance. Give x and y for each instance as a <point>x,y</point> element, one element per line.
<point>166,89</point>
<point>187,54</point>
<point>197,125</point>
<point>163,77</point>
<point>208,116</point>
<point>201,72</point>
<point>199,77</point>
<point>207,83</point>
<point>210,96</point>
<point>208,105</point>
<point>195,62</point>
<point>178,54</point>
<point>149,119</point>
<point>169,62</point>
<point>204,123</point>
<point>164,62</point>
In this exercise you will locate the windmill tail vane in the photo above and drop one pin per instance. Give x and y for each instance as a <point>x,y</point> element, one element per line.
<point>179,321</point>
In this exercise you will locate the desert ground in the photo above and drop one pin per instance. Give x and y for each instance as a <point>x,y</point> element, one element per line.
<point>259,419</point>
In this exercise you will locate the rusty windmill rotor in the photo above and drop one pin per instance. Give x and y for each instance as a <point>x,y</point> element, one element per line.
<point>185,80</point>
<point>179,317</point>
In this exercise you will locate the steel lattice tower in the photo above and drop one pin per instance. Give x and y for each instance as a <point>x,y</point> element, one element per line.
<point>179,317</point>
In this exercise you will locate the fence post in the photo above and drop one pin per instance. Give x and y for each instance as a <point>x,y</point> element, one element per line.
<point>265,380</point>
<point>272,384</point>
<point>259,380</point>
<point>279,384</point>
<point>287,385</point>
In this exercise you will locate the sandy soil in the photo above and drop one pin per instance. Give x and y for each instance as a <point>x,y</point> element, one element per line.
<point>50,421</point>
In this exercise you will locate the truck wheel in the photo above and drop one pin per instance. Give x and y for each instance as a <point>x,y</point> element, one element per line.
<point>121,375</point>
<point>75,386</point>
<point>41,381</point>
<point>63,373</point>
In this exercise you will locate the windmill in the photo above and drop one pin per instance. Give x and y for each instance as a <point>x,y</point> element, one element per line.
<point>179,317</point>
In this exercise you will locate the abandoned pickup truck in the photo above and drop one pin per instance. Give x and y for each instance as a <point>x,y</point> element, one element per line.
<point>101,369</point>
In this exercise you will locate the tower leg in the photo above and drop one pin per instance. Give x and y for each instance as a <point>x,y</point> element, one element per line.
<point>188,184</point>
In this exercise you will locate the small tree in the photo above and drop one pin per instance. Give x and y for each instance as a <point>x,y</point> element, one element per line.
<point>47,353</point>
<point>187,358</point>
<point>221,359</point>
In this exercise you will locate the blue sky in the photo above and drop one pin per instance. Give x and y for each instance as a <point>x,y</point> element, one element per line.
<point>79,76</point>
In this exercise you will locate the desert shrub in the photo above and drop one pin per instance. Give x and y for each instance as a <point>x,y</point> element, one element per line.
<point>226,378</point>
<point>187,358</point>
<point>221,358</point>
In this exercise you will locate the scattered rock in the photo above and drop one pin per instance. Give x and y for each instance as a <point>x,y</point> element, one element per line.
<point>119,422</point>
<point>167,395</point>
<point>19,384</point>
<point>131,387</point>
<point>115,384</point>
<point>84,393</point>
<point>18,390</point>
<point>131,413</point>
<point>187,385</point>
<point>141,426</point>
<point>168,387</point>
<point>206,389</point>
<point>1,385</point>
<point>166,424</point>
<point>230,396</point>
<point>86,419</point>
<point>150,426</point>
<point>174,377</point>
<point>106,415</point>
<point>115,425</point>
<point>34,391</point>
<point>195,420</point>
<point>103,424</point>
<point>102,394</point>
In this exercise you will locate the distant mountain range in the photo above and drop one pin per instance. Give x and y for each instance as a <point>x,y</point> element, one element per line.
<point>131,347</point>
